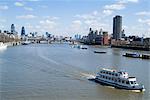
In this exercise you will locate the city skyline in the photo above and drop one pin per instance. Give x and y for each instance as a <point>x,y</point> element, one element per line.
<point>69,17</point>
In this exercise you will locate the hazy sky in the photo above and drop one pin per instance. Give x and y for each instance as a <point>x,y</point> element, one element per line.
<point>68,17</point>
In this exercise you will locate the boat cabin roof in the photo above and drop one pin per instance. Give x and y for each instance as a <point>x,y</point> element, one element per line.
<point>105,69</point>
<point>110,70</point>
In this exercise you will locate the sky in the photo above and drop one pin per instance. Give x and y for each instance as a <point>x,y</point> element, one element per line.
<point>70,17</point>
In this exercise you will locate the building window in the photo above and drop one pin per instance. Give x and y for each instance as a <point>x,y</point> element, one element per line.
<point>122,81</point>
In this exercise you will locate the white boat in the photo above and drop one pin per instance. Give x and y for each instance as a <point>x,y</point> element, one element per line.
<point>25,42</point>
<point>118,79</point>
<point>2,46</point>
<point>79,46</point>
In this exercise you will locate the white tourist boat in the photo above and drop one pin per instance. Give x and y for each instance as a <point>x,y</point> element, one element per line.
<point>118,79</point>
<point>2,46</point>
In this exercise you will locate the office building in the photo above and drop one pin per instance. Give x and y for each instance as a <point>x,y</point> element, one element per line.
<point>23,31</point>
<point>117,27</point>
<point>13,29</point>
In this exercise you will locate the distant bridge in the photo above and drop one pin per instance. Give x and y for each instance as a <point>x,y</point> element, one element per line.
<point>45,40</point>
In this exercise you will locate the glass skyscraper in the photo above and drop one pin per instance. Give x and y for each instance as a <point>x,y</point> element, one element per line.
<point>12,28</point>
<point>22,31</point>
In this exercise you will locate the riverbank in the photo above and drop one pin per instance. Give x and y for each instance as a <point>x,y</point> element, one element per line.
<point>9,44</point>
<point>132,47</point>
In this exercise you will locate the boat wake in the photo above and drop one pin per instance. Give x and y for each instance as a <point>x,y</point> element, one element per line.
<point>87,75</point>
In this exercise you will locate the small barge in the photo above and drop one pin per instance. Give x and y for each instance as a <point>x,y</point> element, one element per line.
<point>133,55</point>
<point>99,52</point>
<point>145,56</point>
<point>136,55</point>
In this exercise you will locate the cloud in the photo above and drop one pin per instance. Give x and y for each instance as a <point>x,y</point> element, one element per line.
<point>146,21</point>
<point>26,17</point>
<point>2,27</point>
<point>2,20</point>
<point>89,22</point>
<point>18,4</point>
<point>128,1</point>
<point>107,12</point>
<point>96,20</point>
<point>33,0</point>
<point>109,9</point>
<point>76,26</point>
<point>29,26</point>
<point>37,26</point>
<point>48,24</point>
<point>51,17</point>
<point>134,1</point>
<point>148,32</point>
<point>85,16</point>
<point>43,6</point>
<point>45,24</point>
<point>143,13</point>
<point>28,8</point>
<point>77,22</point>
<point>117,6</point>
<point>95,24</point>
<point>95,13</point>
<point>3,7</point>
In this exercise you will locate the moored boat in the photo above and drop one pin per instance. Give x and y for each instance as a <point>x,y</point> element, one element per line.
<point>145,56</point>
<point>133,55</point>
<point>118,79</point>
<point>84,48</point>
<point>136,55</point>
<point>79,47</point>
<point>99,52</point>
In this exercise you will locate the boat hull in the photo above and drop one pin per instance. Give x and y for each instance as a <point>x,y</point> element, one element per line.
<point>115,85</point>
<point>99,52</point>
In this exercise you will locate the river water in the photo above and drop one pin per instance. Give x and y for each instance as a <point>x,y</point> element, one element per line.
<point>60,72</point>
